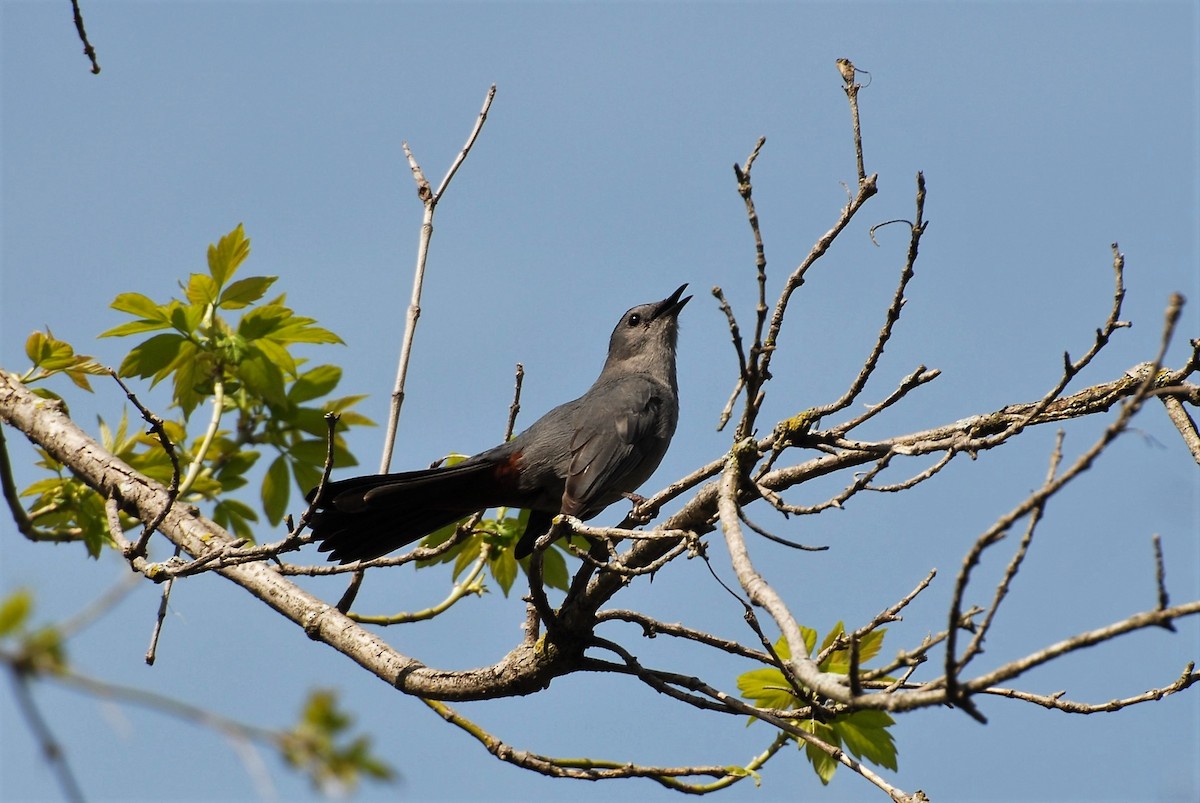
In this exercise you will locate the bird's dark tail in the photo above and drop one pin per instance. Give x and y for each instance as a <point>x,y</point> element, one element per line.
<point>365,517</point>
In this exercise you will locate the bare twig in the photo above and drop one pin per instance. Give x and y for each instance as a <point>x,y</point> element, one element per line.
<point>1056,702</point>
<point>1160,578</point>
<point>735,335</point>
<point>471,584</point>
<point>1070,368</point>
<point>665,683</point>
<point>892,613</point>
<point>861,482</point>
<point>238,732</point>
<point>88,50</point>
<point>917,229</point>
<point>777,539</point>
<point>918,377</point>
<point>619,568</point>
<point>52,749</point>
<point>1130,624</point>
<point>430,200</point>
<point>294,533</point>
<point>1183,422</point>
<point>12,498</point>
<point>652,628</point>
<point>918,478</point>
<point>99,606</point>
<point>1014,564</point>
<point>159,618</point>
<point>515,407</point>
<point>760,355</point>
<point>584,769</point>
<point>847,69</point>
<point>1036,500</point>
<point>158,429</point>
<point>752,375</point>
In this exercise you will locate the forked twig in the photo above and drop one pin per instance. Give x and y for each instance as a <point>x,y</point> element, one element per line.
<point>430,199</point>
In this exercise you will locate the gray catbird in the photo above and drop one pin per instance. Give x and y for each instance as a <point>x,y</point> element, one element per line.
<point>577,459</point>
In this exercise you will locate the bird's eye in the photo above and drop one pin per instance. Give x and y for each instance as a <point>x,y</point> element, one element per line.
<point>634,319</point>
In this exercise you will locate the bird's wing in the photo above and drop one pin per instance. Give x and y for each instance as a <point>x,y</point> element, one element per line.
<point>609,445</point>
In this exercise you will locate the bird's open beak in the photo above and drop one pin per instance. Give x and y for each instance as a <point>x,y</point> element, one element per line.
<point>672,304</point>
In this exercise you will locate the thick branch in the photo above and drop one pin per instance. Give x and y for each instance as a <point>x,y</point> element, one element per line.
<point>523,671</point>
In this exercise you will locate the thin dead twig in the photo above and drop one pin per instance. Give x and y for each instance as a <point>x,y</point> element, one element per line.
<point>88,50</point>
<point>1036,501</point>
<point>917,229</point>
<point>430,200</point>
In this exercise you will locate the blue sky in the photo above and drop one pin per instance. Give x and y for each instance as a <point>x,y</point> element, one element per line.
<point>1046,131</point>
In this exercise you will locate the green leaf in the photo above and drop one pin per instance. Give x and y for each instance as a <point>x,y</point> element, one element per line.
<point>49,353</point>
<point>314,383</point>
<point>310,451</point>
<point>504,568</point>
<point>823,764</point>
<point>139,305</point>
<point>262,377</point>
<point>865,735</point>
<point>35,347</point>
<point>832,636</point>
<point>50,356</point>
<point>299,329</point>
<point>43,486</point>
<point>306,476</point>
<point>441,536</point>
<point>186,318</point>
<point>229,252</point>
<point>344,403</point>
<point>309,420</point>
<point>838,660</point>
<point>766,688</point>
<point>806,633</point>
<point>313,745</point>
<point>554,569</point>
<point>235,517</point>
<point>14,611</point>
<point>151,356</point>
<point>201,289</point>
<point>43,652</point>
<point>78,372</point>
<point>135,328</point>
<point>465,557</point>
<point>192,370</point>
<point>263,321</point>
<point>245,292</point>
<point>810,638</point>
<point>870,645</point>
<point>276,490</point>
<point>235,462</point>
<point>277,354</point>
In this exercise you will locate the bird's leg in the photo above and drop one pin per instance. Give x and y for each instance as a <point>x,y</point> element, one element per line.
<point>640,513</point>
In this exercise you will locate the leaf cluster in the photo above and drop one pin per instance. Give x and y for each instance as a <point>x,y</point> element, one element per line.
<point>264,398</point>
<point>320,747</point>
<point>49,356</point>
<point>864,733</point>
<point>33,651</point>
<point>500,535</point>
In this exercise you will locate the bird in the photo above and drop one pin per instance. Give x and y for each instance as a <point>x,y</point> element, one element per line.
<point>577,459</point>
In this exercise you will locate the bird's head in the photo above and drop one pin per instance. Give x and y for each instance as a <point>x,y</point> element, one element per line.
<point>644,339</point>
